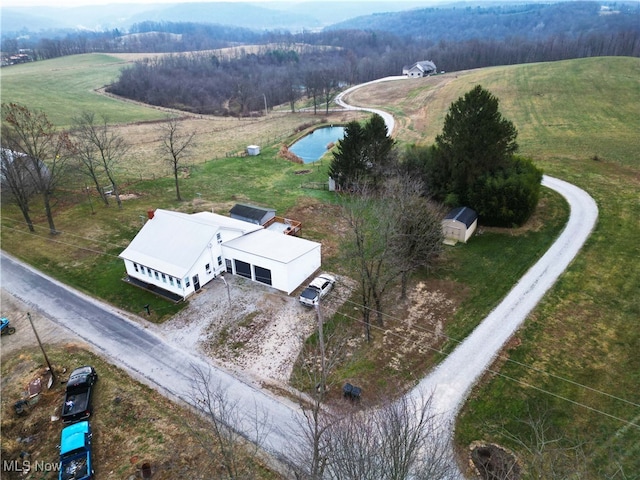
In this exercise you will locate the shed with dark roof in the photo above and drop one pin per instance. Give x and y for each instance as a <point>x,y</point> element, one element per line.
<point>252,213</point>
<point>459,225</point>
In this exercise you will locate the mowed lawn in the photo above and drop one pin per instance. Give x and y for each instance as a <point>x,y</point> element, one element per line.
<point>64,87</point>
<point>576,361</point>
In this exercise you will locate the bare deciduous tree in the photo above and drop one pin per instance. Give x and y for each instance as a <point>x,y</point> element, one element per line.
<point>99,150</point>
<point>176,145</point>
<point>369,249</point>
<point>393,232</point>
<point>17,183</point>
<point>46,150</point>
<point>401,440</point>
<point>228,448</point>
<point>548,453</point>
<point>419,238</point>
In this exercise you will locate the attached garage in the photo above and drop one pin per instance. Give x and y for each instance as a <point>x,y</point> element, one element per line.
<point>282,261</point>
<point>177,253</point>
<point>459,225</point>
<point>242,268</point>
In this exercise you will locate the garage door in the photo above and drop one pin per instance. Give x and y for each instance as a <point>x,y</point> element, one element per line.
<point>243,268</point>
<point>263,275</point>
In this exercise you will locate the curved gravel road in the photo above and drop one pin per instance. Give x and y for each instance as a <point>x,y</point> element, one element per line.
<point>166,366</point>
<point>450,383</point>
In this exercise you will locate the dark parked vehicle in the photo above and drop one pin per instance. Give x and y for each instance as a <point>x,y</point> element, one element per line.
<point>77,398</point>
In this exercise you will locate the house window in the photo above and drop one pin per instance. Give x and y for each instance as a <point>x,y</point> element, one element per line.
<point>164,278</point>
<point>219,261</point>
<point>170,280</point>
<point>178,283</point>
<point>208,267</point>
<point>219,237</point>
<point>187,282</point>
<point>135,266</point>
<point>148,271</point>
<point>157,277</point>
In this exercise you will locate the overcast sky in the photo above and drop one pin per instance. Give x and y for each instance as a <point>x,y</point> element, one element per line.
<point>75,3</point>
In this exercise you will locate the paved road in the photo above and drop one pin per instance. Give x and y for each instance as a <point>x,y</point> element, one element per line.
<point>164,365</point>
<point>148,357</point>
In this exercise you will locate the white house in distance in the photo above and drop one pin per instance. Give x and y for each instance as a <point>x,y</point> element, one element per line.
<point>420,69</point>
<point>459,225</point>
<point>175,254</point>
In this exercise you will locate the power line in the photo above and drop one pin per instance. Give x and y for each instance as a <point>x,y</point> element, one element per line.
<point>416,327</point>
<point>626,422</point>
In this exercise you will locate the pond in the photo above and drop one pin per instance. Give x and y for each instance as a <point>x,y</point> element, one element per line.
<point>313,146</point>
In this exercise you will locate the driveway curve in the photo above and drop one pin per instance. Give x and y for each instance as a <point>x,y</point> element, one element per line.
<point>162,364</point>
<point>451,381</point>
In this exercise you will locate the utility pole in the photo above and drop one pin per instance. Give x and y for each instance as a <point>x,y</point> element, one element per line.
<point>323,378</point>
<point>53,375</point>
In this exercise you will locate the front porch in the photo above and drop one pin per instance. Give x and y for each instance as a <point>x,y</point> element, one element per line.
<point>158,291</point>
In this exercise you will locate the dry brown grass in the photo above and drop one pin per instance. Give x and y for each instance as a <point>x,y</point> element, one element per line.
<point>132,424</point>
<point>216,137</point>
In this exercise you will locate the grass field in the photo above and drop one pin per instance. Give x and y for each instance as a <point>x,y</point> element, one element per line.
<point>577,119</point>
<point>132,424</point>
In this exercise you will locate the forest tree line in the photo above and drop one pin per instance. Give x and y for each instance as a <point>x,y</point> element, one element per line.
<point>282,71</point>
<point>202,82</point>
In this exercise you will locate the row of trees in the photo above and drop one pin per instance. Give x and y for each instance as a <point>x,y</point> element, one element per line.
<point>205,83</point>
<point>36,158</point>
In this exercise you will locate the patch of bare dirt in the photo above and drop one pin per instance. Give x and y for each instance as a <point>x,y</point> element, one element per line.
<point>493,462</point>
<point>16,311</point>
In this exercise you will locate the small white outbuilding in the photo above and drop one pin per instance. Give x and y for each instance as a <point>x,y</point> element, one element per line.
<point>253,150</point>
<point>459,225</point>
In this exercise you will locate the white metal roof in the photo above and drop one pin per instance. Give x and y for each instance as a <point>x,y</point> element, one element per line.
<point>273,246</point>
<point>171,242</point>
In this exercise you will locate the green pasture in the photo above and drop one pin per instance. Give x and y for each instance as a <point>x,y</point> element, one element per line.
<point>578,367</point>
<point>573,109</point>
<point>578,120</point>
<point>63,87</point>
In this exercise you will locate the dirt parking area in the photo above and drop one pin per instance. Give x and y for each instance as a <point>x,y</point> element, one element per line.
<point>249,328</point>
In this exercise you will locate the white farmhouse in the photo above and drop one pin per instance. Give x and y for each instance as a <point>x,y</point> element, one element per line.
<point>175,254</point>
<point>420,69</point>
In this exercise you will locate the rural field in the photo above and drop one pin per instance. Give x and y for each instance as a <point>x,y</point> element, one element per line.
<point>574,366</point>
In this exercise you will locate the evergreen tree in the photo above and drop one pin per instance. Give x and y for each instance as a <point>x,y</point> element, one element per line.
<point>475,140</point>
<point>347,166</point>
<point>377,148</point>
<point>363,155</point>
